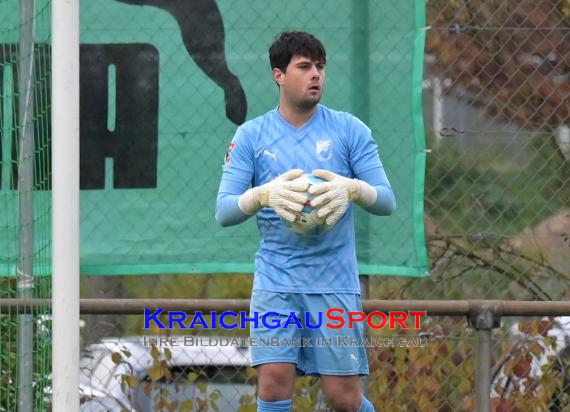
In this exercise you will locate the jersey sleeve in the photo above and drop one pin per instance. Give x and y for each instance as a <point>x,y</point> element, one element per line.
<point>237,176</point>
<point>366,165</point>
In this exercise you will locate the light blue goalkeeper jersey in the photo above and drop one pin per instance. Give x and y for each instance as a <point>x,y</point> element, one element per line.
<point>267,146</point>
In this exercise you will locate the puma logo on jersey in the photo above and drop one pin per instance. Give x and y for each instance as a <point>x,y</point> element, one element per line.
<point>269,154</point>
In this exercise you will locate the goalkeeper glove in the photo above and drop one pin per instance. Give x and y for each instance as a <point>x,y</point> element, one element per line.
<point>331,198</point>
<point>282,194</point>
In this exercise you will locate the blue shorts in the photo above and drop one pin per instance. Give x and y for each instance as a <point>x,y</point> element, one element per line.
<point>311,358</point>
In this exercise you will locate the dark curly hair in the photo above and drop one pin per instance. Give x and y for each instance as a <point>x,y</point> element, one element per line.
<point>295,43</point>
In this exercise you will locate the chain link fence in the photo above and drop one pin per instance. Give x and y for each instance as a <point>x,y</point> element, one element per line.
<point>496,98</point>
<point>24,169</point>
<point>497,184</point>
<point>497,210</point>
<point>435,369</point>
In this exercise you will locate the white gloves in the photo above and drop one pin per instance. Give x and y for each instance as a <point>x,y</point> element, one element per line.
<point>287,196</point>
<point>283,195</point>
<point>331,198</point>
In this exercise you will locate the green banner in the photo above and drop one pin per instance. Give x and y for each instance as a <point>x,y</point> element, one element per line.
<point>164,85</point>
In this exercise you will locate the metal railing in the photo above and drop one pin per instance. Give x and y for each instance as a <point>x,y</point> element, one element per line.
<point>482,315</point>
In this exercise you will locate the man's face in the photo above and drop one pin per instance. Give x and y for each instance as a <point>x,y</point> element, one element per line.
<point>302,83</point>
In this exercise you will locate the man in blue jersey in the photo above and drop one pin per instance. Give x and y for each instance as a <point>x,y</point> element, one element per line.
<point>304,274</point>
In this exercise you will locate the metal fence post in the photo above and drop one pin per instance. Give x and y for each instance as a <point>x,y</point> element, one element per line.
<point>484,320</point>
<point>25,276</point>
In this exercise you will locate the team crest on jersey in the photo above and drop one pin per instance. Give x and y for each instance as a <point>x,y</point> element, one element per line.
<point>229,153</point>
<point>323,149</point>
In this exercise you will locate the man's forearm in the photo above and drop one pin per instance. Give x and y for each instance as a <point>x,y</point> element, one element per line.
<point>228,212</point>
<point>385,202</point>
<point>374,185</point>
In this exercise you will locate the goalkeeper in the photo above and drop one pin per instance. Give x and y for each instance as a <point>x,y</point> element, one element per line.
<point>295,273</point>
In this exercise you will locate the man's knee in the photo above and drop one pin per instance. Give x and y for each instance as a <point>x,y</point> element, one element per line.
<point>276,381</point>
<point>345,402</point>
<point>343,393</point>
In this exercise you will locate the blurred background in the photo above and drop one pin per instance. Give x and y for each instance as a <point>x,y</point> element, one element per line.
<point>491,80</point>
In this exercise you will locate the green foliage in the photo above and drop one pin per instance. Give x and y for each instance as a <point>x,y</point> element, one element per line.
<point>307,396</point>
<point>502,189</point>
<point>441,376</point>
<point>476,201</point>
<point>161,382</point>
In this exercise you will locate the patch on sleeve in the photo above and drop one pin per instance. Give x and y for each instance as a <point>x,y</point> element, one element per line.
<point>229,152</point>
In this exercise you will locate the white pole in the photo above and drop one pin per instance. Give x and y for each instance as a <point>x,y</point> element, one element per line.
<point>437,91</point>
<point>65,204</point>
